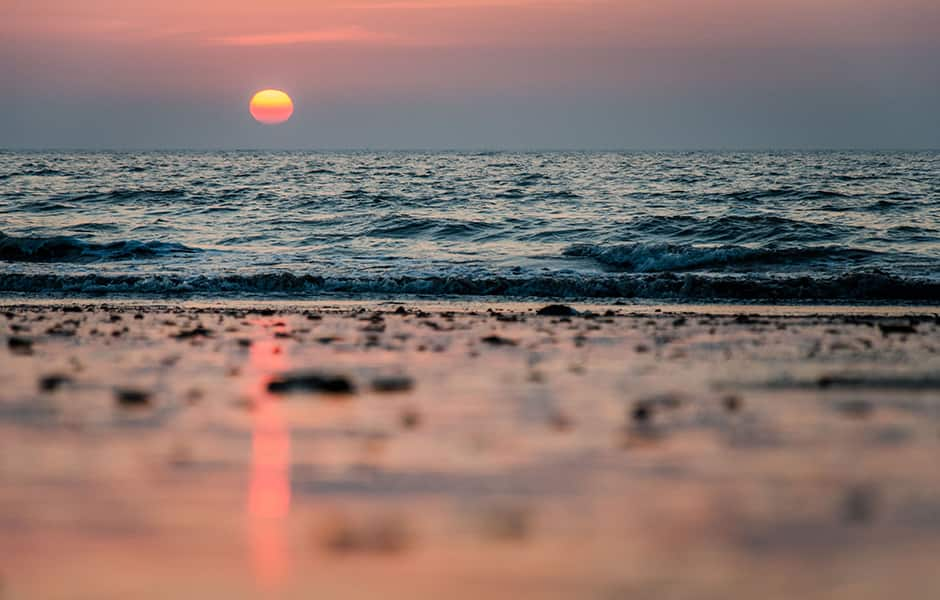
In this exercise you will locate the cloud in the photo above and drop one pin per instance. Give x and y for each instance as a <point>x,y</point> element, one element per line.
<point>318,36</point>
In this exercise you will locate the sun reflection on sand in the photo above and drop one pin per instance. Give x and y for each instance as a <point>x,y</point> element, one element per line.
<point>269,493</point>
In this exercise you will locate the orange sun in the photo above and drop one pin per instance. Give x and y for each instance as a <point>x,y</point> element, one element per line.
<point>271,107</point>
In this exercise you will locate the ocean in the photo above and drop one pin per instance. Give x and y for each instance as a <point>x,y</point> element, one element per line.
<point>780,227</point>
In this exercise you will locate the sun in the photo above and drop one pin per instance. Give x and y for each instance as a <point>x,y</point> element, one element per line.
<point>271,107</point>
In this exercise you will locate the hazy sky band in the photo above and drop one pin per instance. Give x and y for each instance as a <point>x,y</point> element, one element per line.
<point>486,73</point>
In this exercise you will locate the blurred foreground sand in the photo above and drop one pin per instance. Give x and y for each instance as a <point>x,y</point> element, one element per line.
<point>435,451</point>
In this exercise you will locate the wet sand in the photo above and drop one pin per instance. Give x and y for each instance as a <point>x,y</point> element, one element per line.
<point>342,450</point>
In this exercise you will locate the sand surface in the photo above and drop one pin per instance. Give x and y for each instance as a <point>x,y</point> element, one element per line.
<point>467,451</point>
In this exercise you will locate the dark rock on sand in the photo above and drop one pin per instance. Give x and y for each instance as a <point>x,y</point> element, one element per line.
<point>198,331</point>
<point>410,418</point>
<point>731,403</point>
<point>380,536</point>
<point>132,397</point>
<point>20,345</point>
<point>896,328</point>
<point>311,381</point>
<point>642,413</point>
<point>393,383</point>
<point>556,310</point>
<point>496,340</point>
<point>50,383</point>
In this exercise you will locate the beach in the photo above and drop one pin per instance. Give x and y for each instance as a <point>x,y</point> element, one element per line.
<point>467,449</point>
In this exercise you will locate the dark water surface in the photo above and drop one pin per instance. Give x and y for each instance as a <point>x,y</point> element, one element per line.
<point>789,226</point>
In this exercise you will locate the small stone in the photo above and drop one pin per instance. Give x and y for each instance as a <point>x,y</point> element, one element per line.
<point>496,340</point>
<point>50,383</point>
<point>198,331</point>
<point>132,397</point>
<point>556,310</point>
<point>896,328</point>
<point>641,413</point>
<point>392,383</point>
<point>20,345</point>
<point>309,381</point>
<point>731,403</point>
<point>410,418</point>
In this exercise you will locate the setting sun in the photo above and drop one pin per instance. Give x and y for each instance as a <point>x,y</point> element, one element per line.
<point>271,107</point>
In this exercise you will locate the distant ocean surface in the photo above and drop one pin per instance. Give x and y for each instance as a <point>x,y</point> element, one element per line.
<point>697,227</point>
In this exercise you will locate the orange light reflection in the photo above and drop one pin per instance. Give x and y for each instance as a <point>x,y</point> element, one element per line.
<point>269,493</point>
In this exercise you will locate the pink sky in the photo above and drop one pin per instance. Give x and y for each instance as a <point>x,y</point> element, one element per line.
<point>629,23</point>
<point>215,51</point>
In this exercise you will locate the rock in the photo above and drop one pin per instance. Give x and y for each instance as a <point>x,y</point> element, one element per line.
<point>198,331</point>
<point>50,383</point>
<point>401,310</point>
<point>731,403</point>
<point>20,345</point>
<point>896,328</point>
<point>392,383</point>
<point>642,413</point>
<point>311,381</point>
<point>410,418</point>
<point>386,535</point>
<point>496,340</point>
<point>132,397</point>
<point>556,310</point>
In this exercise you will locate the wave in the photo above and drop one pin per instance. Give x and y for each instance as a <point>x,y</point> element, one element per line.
<point>124,195</point>
<point>850,287</point>
<point>740,229</point>
<point>406,226</point>
<point>651,258</point>
<point>71,250</point>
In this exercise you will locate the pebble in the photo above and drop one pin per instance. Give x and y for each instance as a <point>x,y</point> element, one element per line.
<point>556,310</point>
<point>311,381</point>
<point>50,383</point>
<point>393,383</point>
<point>132,397</point>
<point>198,331</point>
<point>496,340</point>
<point>20,345</point>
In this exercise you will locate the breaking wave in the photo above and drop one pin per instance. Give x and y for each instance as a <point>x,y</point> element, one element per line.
<point>852,287</point>
<point>65,249</point>
<point>652,258</point>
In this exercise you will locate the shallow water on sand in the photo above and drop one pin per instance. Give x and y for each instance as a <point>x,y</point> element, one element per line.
<point>825,226</point>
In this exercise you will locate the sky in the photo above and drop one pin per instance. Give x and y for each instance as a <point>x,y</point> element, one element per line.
<point>472,74</point>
